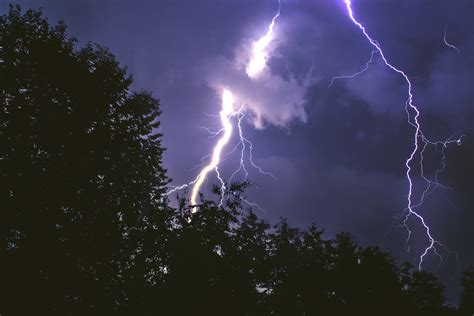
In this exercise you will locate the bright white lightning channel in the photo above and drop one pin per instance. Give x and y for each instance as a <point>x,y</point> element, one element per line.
<point>255,66</point>
<point>226,111</point>
<point>259,50</point>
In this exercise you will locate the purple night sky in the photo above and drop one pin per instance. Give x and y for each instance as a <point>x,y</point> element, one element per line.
<point>338,151</point>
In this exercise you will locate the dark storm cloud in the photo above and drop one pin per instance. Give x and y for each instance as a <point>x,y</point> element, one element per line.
<point>339,154</point>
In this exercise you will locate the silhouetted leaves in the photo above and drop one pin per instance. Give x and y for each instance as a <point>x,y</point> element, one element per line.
<point>82,180</point>
<point>467,297</point>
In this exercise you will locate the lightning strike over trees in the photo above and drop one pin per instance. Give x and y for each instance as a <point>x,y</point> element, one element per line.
<point>413,119</point>
<point>227,111</point>
<point>256,64</point>
<point>87,226</point>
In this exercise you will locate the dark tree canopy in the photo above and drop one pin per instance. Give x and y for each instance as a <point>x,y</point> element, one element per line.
<point>467,298</point>
<point>87,228</point>
<point>80,172</point>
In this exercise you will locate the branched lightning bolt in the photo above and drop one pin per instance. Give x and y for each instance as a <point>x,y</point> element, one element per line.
<point>410,108</point>
<point>226,112</point>
<point>356,73</point>
<point>253,204</point>
<point>446,41</point>
<point>242,143</point>
<point>255,66</point>
<point>212,133</point>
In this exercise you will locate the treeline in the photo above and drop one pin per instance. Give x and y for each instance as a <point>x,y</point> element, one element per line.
<point>87,229</point>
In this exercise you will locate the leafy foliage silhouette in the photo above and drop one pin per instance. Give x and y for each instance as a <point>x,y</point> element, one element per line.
<point>81,173</point>
<point>87,228</point>
<point>467,298</point>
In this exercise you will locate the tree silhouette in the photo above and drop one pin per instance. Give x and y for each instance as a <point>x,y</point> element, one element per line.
<point>467,298</point>
<point>81,173</point>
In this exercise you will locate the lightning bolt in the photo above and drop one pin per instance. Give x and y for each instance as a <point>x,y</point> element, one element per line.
<point>356,73</point>
<point>255,66</point>
<point>226,112</point>
<point>446,41</point>
<point>259,49</point>
<point>418,138</point>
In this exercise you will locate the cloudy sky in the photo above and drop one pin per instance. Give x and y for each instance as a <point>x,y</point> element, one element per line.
<point>337,151</point>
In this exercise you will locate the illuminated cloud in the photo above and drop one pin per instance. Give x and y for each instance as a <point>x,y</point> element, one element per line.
<point>270,98</point>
